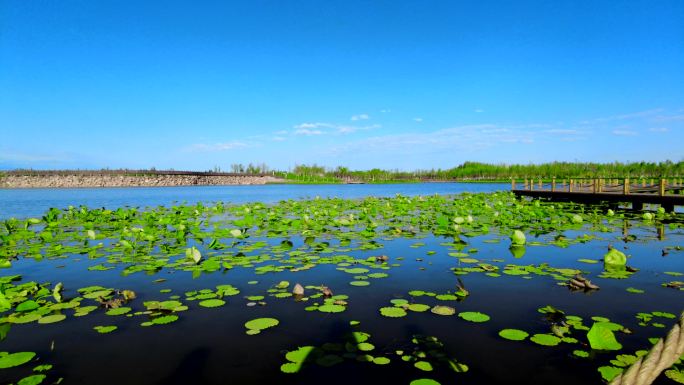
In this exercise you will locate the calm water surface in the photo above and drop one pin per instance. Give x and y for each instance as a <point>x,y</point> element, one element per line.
<point>24,203</point>
<point>209,346</point>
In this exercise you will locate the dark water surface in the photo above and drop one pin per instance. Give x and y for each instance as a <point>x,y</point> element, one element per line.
<point>209,345</point>
<point>24,203</point>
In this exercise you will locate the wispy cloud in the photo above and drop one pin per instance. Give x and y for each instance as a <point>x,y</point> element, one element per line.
<point>659,129</point>
<point>307,132</point>
<point>624,132</point>
<point>351,129</point>
<point>478,110</point>
<point>467,138</point>
<point>331,128</point>
<point>668,118</point>
<point>418,120</point>
<point>562,131</point>
<point>306,126</point>
<point>360,117</point>
<point>215,147</point>
<point>633,115</point>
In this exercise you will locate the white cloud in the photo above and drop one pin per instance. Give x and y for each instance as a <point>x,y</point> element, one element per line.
<point>316,125</point>
<point>478,110</point>
<point>385,111</point>
<point>659,129</point>
<point>315,128</point>
<point>213,147</point>
<point>669,118</point>
<point>624,132</point>
<point>634,115</point>
<point>352,129</point>
<point>467,138</point>
<point>418,119</point>
<point>308,132</point>
<point>360,117</point>
<point>562,131</point>
<point>278,138</point>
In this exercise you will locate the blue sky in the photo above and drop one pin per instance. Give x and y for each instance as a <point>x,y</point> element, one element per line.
<point>389,84</point>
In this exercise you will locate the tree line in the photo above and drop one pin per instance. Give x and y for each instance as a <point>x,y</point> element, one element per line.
<point>472,171</point>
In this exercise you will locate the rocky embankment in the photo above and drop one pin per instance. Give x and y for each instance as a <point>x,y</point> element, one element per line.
<point>118,180</point>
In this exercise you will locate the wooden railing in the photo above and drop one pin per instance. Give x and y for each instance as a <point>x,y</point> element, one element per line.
<point>624,186</point>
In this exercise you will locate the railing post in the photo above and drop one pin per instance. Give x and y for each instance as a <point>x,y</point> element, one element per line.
<point>663,183</point>
<point>553,184</point>
<point>595,185</point>
<point>600,185</point>
<point>625,187</point>
<point>531,184</point>
<point>525,183</point>
<point>570,186</point>
<point>643,182</point>
<point>541,181</point>
<point>512,184</point>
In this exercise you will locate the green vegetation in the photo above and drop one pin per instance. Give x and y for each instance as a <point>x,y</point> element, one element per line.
<point>468,171</point>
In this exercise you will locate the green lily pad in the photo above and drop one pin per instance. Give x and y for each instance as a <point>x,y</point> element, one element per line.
<point>34,379</point>
<point>424,381</point>
<point>104,329</point>
<point>601,337</point>
<point>52,319</point>
<point>545,339</point>
<point>300,354</point>
<point>15,359</point>
<point>118,311</point>
<point>212,302</point>
<point>260,324</point>
<point>609,372</point>
<point>418,307</point>
<point>443,310</point>
<point>513,334</point>
<point>381,360</point>
<point>474,316</point>
<point>423,365</point>
<point>392,312</point>
<point>331,308</point>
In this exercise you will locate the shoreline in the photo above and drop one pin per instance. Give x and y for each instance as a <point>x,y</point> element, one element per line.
<point>118,180</point>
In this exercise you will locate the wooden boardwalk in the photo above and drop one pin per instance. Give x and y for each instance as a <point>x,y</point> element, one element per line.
<point>667,193</point>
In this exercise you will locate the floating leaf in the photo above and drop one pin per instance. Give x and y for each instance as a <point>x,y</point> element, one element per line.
<point>118,311</point>
<point>260,324</point>
<point>418,307</point>
<point>602,338</point>
<point>381,360</point>
<point>34,379</point>
<point>392,312</point>
<point>423,365</point>
<point>104,329</point>
<point>609,372</point>
<point>474,316</point>
<point>513,334</point>
<point>52,319</point>
<point>545,339</point>
<point>443,310</point>
<point>424,381</point>
<point>331,308</point>
<point>15,359</point>
<point>212,302</point>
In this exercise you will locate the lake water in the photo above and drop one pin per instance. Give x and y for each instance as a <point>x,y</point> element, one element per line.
<point>24,203</point>
<point>210,346</point>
